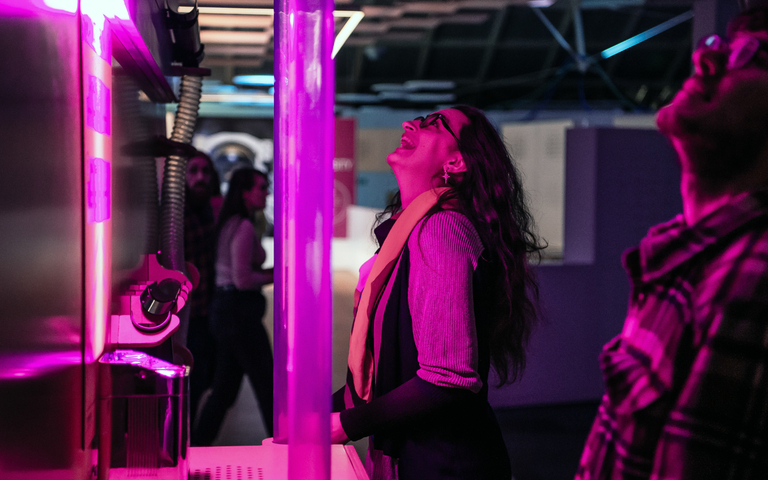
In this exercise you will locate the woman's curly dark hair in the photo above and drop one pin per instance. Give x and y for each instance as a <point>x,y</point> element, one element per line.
<point>491,196</point>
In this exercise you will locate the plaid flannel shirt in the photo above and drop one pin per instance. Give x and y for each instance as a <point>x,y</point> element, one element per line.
<point>687,378</point>
<point>199,248</point>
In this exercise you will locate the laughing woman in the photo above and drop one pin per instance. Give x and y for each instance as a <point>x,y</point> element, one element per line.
<point>448,296</point>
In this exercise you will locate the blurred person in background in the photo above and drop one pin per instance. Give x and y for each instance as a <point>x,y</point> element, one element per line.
<point>199,250</point>
<point>238,306</point>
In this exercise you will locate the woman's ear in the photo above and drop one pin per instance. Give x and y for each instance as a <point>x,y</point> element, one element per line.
<point>456,164</point>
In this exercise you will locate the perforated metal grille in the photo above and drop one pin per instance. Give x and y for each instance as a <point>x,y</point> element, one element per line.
<point>227,472</point>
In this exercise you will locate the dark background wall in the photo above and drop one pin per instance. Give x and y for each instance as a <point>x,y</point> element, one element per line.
<point>619,182</point>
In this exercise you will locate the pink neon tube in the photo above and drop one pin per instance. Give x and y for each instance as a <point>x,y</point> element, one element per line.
<point>304,191</point>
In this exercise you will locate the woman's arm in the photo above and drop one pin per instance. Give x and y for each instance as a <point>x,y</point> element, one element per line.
<point>243,274</point>
<point>443,257</point>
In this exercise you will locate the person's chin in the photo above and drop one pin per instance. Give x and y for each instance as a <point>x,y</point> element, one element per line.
<point>200,190</point>
<point>399,153</point>
<point>674,121</point>
<point>665,120</point>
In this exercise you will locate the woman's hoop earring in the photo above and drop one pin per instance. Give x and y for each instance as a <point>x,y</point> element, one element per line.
<point>445,175</point>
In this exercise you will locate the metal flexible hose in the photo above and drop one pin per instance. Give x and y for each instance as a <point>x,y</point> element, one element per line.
<point>175,176</point>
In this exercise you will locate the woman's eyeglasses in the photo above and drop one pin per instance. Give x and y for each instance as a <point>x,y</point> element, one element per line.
<point>432,119</point>
<point>742,49</point>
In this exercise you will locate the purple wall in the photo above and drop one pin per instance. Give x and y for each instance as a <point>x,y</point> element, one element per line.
<point>618,183</point>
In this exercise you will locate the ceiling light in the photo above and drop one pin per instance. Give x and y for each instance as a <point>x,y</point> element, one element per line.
<point>235,50</point>
<point>235,21</point>
<point>228,11</point>
<point>235,37</point>
<point>643,36</point>
<point>540,3</point>
<point>211,36</point>
<point>430,97</point>
<point>445,8</point>
<point>387,87</point>
<point>346,30</point>
<point>254,80</point>
<point>415,85</point>
<point>357,98</point>
<point>239,98</point>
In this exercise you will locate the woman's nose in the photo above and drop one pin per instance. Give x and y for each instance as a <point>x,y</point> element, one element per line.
<point>709,62</point>
<point>410,125</point>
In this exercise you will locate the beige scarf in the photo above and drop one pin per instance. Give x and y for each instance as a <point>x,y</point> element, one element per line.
<point>360,358</point>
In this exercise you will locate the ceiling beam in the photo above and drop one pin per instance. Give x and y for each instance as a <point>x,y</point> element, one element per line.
<point>555,47</point>
<point>629,30</point>
<point>424,51</point>
<point>357,68</point>
<point>491,42</point>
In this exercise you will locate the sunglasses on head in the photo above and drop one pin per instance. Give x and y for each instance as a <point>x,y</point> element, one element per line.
<point>432,119</point>
<point>742,49</point>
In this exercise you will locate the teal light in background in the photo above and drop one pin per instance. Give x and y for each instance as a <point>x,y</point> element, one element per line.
<point>254,80</point>
<point>641,37</point>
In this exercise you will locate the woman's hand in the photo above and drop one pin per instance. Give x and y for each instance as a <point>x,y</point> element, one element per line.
<point>337,431</point>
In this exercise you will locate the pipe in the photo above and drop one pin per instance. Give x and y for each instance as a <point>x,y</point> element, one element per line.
<point>175,176</point>
<point>304,86</point>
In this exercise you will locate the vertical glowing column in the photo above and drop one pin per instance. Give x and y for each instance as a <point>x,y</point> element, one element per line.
<point>97,173</point>
<point>280,330</point>
<point>305,126</point>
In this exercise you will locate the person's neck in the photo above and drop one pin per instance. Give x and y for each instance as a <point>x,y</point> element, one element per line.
<point>197,202</point>
<point>700,198</point>
<point>409,194</point>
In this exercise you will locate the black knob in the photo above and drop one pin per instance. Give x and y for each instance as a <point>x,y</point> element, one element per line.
<point>159,298</point>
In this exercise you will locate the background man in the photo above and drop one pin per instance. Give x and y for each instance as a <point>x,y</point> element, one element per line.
<point>687,378</point>
<point>199,249</point>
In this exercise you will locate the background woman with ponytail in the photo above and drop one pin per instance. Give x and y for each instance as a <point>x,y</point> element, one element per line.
<point>242,344</point>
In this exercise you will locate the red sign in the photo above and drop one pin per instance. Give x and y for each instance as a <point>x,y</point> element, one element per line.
<point>343,174</point>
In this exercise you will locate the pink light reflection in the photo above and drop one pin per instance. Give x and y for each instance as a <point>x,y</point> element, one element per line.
<point>30,365</point>
<point>132,357</point>
<point>98,195</point>
<point>102,242</point>
<point>69,6</point>
<point>114,9</point>
<point>107,8</point>
<point>33,8</point>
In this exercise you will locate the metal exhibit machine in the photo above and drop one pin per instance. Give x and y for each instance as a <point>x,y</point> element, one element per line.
<point>90,383</point>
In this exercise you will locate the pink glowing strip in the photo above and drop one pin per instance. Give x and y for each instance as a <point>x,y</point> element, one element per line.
<point>97,85</point>
<point>305,86</point>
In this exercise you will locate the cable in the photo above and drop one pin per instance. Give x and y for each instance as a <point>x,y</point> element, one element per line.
<point>175,176</point>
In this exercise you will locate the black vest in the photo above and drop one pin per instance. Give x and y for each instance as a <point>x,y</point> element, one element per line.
<point>462,441</point>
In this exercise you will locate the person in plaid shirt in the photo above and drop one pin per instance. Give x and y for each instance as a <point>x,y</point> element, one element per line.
<point>687,379</point>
